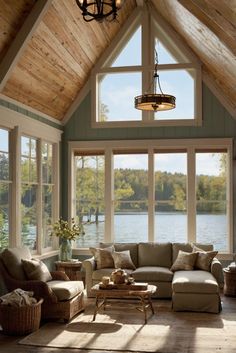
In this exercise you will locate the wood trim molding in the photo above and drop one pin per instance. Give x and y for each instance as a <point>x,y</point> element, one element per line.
<point>21,40</point>
<point>30,109</point>
<point>10,119</point>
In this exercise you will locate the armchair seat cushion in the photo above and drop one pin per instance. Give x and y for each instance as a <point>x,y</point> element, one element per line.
<point>196,281</point>
<point>65,290</point>
<point>152,274</point>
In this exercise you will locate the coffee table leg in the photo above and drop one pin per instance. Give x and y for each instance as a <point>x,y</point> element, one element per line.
<point>98,305</point>
<point>150,304</point>
<point>96,308</point>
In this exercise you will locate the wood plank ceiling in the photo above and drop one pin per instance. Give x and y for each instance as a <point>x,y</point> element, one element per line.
<point>57,60</point>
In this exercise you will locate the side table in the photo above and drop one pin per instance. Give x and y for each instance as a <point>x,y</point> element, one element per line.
<point>229,282</point>
<point>71,268</point>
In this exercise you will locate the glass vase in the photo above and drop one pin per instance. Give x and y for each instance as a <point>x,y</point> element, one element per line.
<point>65,250</point>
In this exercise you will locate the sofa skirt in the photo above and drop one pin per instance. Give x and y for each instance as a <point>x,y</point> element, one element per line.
<point>209,303</point>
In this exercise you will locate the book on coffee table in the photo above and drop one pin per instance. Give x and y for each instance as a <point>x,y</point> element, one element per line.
<point>124,286</point>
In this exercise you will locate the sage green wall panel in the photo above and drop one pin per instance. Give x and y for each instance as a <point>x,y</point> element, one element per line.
<point>217,122</point>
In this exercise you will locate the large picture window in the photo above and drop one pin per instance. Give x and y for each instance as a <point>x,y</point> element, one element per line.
<point>165,191</point>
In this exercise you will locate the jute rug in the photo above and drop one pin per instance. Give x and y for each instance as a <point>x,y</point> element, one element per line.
<point>122,328</point>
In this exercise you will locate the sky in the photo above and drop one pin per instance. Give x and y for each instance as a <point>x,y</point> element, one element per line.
<point>206,163</point>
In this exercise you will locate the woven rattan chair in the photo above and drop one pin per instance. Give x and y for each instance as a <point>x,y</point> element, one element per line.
<point>52,307</point>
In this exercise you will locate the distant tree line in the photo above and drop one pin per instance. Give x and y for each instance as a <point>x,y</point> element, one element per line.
<point>131,190</point>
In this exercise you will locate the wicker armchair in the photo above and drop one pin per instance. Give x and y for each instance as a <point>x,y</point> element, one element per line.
<point>52,307</point>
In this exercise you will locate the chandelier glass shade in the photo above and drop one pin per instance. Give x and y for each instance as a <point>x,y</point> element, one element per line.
<point>99,9</point>
<point>154,101</point>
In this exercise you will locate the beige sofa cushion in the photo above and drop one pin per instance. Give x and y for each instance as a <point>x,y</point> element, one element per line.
<point>185,261</point>
<point>103,257</point>
<point>36,270</point>
<point>152,274</point>
<point>187,247</point>
<point>132,247</point>
<point>65,290</point>
<point>196,281</point>
<point>122,259</point>
<point>155,254</point>
<point>204,258</point>
<point>12,260</point>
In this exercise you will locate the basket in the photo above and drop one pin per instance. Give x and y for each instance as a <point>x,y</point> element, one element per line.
<point>20,320</point>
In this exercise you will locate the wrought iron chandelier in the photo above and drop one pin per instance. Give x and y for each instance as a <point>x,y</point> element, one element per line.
<point>155,101</point>
<point>99,10</point>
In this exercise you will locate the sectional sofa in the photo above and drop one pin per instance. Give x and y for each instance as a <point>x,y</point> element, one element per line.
<point>193,290</point>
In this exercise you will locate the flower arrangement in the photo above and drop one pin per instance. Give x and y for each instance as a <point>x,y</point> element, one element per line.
<point>62,230</point>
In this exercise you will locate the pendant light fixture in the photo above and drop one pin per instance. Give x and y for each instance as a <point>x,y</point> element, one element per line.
<point>154,101</point>
<point>99,9</point>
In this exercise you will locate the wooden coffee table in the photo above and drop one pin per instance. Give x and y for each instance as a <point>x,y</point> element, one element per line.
<point>144,296</point>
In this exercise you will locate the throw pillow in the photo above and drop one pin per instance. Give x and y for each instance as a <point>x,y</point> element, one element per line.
<point>185,261</point>
<point>36,270</point>
<point>204,258</point>
<point>123,260</point>
<point>103,257</point>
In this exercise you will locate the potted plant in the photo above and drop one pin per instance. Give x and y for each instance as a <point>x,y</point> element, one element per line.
<point>66,233</point>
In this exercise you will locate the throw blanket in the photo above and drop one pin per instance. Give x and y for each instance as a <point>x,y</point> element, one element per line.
<point>18,297</point>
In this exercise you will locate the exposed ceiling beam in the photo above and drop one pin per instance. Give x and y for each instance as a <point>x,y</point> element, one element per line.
<point>21,40</point>
<point>214,20</point>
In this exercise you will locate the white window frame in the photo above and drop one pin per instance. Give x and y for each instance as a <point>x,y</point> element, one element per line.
<point>148,22</point>
<point>9,181</point>
<point>19,125</point>
<point>189,145</point>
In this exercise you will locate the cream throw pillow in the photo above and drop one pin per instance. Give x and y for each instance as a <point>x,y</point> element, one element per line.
<point>36,270</point>
<point>184,261</point>
<point>103,257</point>
<point>204,258</point>
<point>123,260</point>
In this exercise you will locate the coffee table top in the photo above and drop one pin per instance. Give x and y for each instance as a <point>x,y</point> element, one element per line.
<point>114,292</point>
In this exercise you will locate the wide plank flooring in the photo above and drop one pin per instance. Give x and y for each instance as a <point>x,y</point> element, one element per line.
<point>9,344</point>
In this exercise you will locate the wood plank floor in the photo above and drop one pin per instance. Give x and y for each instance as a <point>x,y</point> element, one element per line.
<point>9,344</point>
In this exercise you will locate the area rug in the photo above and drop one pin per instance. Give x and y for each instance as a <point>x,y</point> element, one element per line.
<point>122,328</point>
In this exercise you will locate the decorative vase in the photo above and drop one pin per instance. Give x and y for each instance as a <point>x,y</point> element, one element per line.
<point>65,253</point>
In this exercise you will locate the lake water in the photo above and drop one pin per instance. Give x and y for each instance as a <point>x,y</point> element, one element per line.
<point>170,227</point>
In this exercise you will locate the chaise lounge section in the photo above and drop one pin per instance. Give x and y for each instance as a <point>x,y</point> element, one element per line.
<point>192,290</point>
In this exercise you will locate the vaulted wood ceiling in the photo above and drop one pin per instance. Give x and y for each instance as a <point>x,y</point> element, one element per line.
<point>47,50</point>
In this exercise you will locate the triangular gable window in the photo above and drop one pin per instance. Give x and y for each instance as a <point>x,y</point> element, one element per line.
<point>127,70</point>
<point>164,56</point>
<point>131,54</point>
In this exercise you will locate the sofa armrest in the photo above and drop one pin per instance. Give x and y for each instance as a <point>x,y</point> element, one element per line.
<point>89,265</point>
<point>217,271</point>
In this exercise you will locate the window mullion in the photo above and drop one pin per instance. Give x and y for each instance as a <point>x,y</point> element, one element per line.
<point>109,196</point>
<point>15,213</point>
<point>191,195</point>
<point>39,198</point>
<point>151,195</point>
